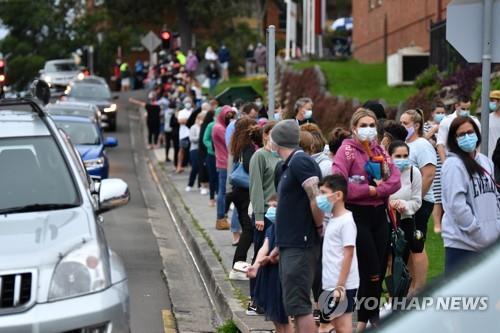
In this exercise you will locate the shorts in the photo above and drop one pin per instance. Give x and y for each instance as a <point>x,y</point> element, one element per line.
<point>297,267</point>
<point>351,306</point>
<point>224,65</point>
<point>125,82</point>
<point>184,143</point>
<point>421,219</point>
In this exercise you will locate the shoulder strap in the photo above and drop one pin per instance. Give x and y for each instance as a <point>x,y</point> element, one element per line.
<point>411,175</point>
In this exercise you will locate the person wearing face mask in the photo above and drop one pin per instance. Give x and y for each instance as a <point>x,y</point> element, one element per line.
<point>182,118</point>
<point>340,274</point>
<point>423,156</point>
<point>431,128</point>
<point>278,111</point>
<point>471,218</point>
<point>407,201</point>
<point>268,290</point>
<point>494,124</point>
<point>462,108</point>
<point>221,155</point>
<point>372,178</point>
<point>302,111</point>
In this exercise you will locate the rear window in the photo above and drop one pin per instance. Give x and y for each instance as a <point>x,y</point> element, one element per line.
<point>61,67</point>
<point>33,172</point>
<point>90,91</point>
<point>80,133</point>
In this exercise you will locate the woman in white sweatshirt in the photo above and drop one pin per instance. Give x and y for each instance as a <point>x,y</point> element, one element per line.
<point>407,201</point>
<point>471,220</point>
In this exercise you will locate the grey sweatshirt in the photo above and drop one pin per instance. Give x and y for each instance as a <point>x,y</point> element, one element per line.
<point>471,218</point>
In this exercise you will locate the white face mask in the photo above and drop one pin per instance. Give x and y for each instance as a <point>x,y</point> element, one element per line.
<point>367,133</point>
<point>187,105</point>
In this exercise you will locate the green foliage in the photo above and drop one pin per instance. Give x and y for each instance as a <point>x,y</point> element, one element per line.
<point>228,327</point>
<point>364,81</point>
<point>427,78</point>
<point>476,94</point>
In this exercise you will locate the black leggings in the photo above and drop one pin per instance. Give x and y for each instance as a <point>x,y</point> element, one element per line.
<point>172,139</point>
<point>153,133</point>
<point>241,200</point>
<point>371,250</point>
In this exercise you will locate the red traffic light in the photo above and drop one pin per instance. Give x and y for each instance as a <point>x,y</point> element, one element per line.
<point>2,63</point>
<point>165,35</point>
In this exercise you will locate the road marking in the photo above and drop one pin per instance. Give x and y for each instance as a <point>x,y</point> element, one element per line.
<point>168,321</point>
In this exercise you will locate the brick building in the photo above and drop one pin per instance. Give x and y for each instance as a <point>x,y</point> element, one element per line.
<point>382,27</point>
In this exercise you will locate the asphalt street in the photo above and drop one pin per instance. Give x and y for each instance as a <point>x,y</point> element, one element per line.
<point>165,292</point>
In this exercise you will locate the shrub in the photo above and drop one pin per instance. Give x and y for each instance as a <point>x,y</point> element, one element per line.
<point>427,78</point>
<point>228,327</point>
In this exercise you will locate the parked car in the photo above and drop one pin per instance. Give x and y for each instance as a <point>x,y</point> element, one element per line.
<point>59,73</point>
<point>98,94</point>
<point>466,301</point>
<point>57,273</point>
<point>87,110</point>
<point>87,137</point>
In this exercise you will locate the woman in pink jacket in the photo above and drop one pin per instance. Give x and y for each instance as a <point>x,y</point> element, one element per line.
<point>372,178</point>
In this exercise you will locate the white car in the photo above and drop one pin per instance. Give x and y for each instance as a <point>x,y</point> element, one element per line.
<point>59,73</point>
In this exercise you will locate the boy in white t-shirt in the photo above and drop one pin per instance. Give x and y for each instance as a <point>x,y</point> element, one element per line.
<point>340,264</point>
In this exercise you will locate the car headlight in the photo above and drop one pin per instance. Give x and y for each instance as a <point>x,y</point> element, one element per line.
<point>47,79</point>
<point>111,108</point>
<point>94,163</point>
<point>82,271</point>
<point>80,76</point>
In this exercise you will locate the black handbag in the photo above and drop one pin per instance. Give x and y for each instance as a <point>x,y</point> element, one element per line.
<point>398,283</point>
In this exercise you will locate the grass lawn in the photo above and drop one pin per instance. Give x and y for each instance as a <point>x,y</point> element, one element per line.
<point>435,252</point>
<point>363,81</point>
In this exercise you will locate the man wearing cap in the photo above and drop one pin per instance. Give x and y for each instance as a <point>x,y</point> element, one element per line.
<point>494,126</point>
<point>299,223</point>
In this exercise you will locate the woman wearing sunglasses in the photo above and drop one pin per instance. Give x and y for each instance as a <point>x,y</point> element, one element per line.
<point>471,218</point>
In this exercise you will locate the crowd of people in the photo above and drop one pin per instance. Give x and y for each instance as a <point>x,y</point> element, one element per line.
<point>318,209</point>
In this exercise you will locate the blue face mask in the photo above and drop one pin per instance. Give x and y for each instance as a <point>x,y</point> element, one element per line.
<point>271,214</point>
<point>324,204</point>
<point>308,114</point>
<point>465,113</point>
<point>277,116</point>
<point>438,117</point>
<point>402,163</point>
<point>467,142</point>
<point>493,106</point>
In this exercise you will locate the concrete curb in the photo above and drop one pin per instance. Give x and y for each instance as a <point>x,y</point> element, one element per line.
<point>210,266</point>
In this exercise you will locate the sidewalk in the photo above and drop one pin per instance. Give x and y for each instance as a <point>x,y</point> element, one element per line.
<point>235,294</point>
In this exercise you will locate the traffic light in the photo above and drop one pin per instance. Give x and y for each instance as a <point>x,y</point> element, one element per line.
<point>2,71</point>
<point>165,37</point>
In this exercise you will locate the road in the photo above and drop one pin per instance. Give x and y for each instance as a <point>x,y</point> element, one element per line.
<point>142,233</point>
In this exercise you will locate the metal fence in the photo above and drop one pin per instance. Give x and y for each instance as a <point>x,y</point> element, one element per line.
<point>443,55</point>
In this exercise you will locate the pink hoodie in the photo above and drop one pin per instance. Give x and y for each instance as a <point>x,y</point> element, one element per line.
<point>218,137</point>
<point>350,161</point>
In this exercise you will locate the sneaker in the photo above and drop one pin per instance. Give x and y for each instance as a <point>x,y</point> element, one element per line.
<point>188,189</point>
<point>316,314</point>
<point>204,191</point>
<point>222,224</point>
<point>239,276</point>
<point>254,310</point>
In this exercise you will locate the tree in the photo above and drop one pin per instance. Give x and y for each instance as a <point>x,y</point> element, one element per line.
<point>38,30</point>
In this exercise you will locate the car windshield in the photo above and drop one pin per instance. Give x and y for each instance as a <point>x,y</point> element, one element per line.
<point>33,174</point>
<point>61,67</point>
<point>80,133</point>
<point>89,91</point>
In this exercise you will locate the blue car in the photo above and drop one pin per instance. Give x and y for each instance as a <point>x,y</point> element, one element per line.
<point>87,137</point>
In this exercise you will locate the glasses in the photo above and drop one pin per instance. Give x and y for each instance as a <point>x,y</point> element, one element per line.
<point>461,135</point>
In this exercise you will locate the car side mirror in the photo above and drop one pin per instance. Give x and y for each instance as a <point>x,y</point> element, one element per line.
<point>115,97</point>
<point>113,193</point>
<point>110,141</point>
<point>41,90</point>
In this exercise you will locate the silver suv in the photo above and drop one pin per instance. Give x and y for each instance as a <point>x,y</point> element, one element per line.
<point>57,273</point>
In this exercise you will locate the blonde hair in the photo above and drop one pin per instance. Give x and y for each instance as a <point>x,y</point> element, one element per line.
<point>417,117</point>
<point>361,113</point>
